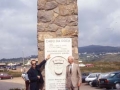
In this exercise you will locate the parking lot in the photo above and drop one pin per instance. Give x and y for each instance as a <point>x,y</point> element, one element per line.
<point>11,83</point>
<point>19,83</point>
<point>88,87</point>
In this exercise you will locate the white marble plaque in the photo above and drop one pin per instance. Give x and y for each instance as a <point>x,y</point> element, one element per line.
<point>55,69</point>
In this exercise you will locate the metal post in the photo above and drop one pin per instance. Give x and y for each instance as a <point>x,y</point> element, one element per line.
<point>23,59</point>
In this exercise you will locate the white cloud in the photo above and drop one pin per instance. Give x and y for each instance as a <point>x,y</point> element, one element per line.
<point>115,21</point>
<point>18,24</point>
<point>99,22</point>
<point>88,4</point>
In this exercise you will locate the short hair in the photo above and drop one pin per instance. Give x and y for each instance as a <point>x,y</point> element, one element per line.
<point>71,57</point>
<point>33,60</point>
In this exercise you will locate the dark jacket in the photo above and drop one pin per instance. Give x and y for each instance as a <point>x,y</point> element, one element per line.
<point>32,75</point>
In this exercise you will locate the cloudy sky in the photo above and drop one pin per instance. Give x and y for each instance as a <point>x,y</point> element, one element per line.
<point>99,22</point>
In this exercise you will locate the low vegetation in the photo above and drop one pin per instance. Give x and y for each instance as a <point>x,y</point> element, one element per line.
<point>16,89</point>
<point>102,67</point>
<point>14,74</point>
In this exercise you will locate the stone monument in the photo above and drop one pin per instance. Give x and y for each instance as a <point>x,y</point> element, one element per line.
<point>57,19</point>
<point>55,68</point>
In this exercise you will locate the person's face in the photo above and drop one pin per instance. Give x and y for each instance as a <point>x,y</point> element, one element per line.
<point>70,60</point>
<point>33,64</point>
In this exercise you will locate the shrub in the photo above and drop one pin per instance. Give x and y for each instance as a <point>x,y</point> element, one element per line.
<point>15,74</point>
<point>16,89</point>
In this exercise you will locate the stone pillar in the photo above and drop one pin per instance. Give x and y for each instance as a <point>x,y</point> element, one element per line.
<point>57,19</point>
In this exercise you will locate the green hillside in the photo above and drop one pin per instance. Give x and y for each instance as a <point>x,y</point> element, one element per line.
<point>102,66</point>
<point>115,57</point>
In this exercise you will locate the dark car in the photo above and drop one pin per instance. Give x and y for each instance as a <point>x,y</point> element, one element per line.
<point>84,75</point>
<point>7,68</point>
<point>95,83</point>
<point>111,81</point>
<point>13,67</point>
<point>5,76</point>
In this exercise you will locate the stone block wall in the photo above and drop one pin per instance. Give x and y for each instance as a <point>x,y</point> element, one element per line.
<point>57,19</point>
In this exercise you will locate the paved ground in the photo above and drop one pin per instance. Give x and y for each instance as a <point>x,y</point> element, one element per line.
<point>19,83</point>
<point>88,87</point>
<point>11,83</point>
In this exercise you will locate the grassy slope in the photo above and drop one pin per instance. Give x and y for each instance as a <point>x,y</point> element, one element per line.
<point>111,58</point>
<point>15,74</point>
<point>102,66</point>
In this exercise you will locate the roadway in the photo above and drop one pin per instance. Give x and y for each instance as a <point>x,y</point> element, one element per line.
<point>19,83</point>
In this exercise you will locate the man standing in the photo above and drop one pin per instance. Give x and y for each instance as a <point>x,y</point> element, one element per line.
<point>73,75</point>
<point>25,78</point>
<point>34,74</point>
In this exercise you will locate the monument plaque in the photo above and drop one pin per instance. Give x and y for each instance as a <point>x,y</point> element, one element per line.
<point>55,69</point>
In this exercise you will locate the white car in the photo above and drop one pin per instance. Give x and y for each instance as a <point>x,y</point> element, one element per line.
<point>91,77</point>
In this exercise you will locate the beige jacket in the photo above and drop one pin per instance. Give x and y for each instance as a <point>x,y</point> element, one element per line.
<point>74,77</point>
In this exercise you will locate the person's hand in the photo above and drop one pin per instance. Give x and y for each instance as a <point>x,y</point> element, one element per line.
<point>48,57</point>
<point>79,84</point>
<point>38,77</point>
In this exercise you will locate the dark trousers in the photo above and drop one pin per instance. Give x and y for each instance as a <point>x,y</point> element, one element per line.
<point>41,85</point>
<point>27,84</point>
<point>34,86</point>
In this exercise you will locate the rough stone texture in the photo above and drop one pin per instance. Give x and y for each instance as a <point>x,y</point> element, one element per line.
<point>52,27</point>
<point>70,31</point>
<point>67,9</point>
<point>50,5</point>
<point>75,9</point>
<point>57,19</point>
<point>43,35</point>
<point>47,27</point>
<point>71,1</point>
<point>41,27</point>
<point>56,10</point>
<point>74,41</point>
<point>45,16</point>
<point>41,4</point>
<point>72,20</point>
<point>61,21</point>
<point>75,53</point>
<point>62,1</point>
<point>58,32</point>
<point>40,56</point>
<point>41,46</point>
<point>50,0</point>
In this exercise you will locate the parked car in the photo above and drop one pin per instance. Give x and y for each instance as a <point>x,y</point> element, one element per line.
<point>95,83</point>
<point>91,77</point>
<point>111,81</point>
<point>13,67</point>
<point>7,68</point>
<point>2,69</point>
<point>84,75</point>
<point>5,76</point>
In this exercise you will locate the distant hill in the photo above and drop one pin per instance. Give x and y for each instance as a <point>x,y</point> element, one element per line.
<point>98,49</point>
<point>109,58</point>
<point>19,59</point>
